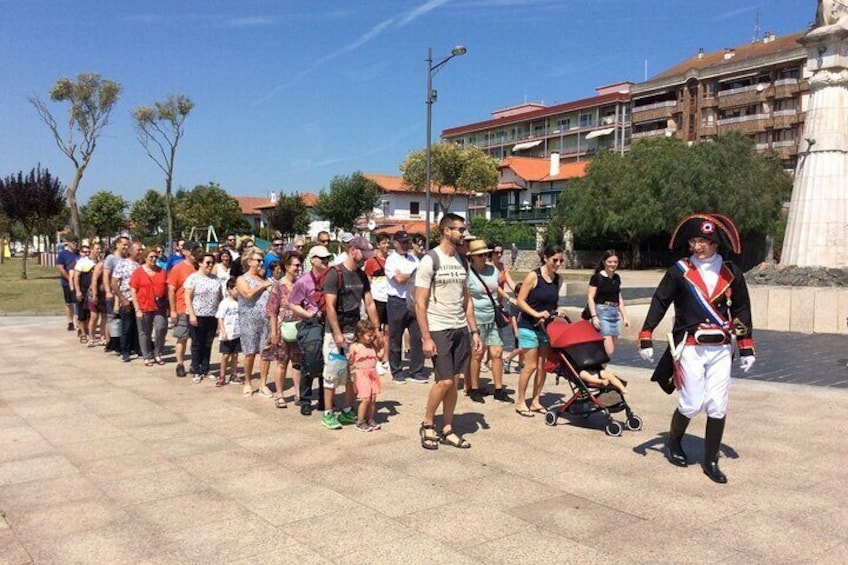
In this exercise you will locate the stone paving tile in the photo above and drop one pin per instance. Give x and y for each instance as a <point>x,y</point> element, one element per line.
<point>214,463</point>
<point>149,487</point>
<point>43,467</point>
<point>416,549</point>
<point>291,552</point>
<point>116,544</point>
<point>349,535</point>
<point>123,466</point>
<point>223,541</point>
<point>536,546</point>
<point>12,552</point>
<point>86,451</point>
<point>253,482</point>
<point>461,525</point>
<point>154,432</point>
<point>174,448</point>
<point>186,511</point>
<point>72,518</point>
<point>17,500</point>
<point>18,450</point>
<point>404,496</point>
<point>301,501</point>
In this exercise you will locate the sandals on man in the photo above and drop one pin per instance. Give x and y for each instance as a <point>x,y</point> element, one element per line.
<point>449,437</point>
<point>429,437</point>
<point>524,412</point>
<point>280,402</point>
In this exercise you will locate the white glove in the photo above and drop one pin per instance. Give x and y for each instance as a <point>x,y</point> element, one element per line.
<point>647,354</point>
<point>746,362</point>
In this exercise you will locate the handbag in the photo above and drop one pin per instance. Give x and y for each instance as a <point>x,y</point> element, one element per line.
<point>502,319</point>
<point>288,330</point>
<point>585,314</point>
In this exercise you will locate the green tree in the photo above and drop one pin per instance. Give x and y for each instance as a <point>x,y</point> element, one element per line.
<point>349,198</point>
<point>32,201</point>
<point>453,170</point>
<point>147,215</point>
<point>290,216</point>
<point>91,100</point>
<point>209,205</point>
<point>648,190</point>
<point>104,214</point>
<point>159,129</point>
<point>497,229</point>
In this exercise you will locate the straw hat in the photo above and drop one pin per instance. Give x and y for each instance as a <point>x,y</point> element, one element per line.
<point>478,247</point>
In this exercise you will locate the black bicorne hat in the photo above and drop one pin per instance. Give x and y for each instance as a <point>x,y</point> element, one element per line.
<point>714,227</point>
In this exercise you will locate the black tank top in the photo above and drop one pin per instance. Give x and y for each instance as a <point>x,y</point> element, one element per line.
<point>543,297</point>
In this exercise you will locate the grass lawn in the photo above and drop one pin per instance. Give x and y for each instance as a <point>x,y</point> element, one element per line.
<point>39,294</point>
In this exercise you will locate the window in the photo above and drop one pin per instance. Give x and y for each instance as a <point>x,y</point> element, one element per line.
<point>563,124</point>
<point>586,120</point>
<point>414,208</point>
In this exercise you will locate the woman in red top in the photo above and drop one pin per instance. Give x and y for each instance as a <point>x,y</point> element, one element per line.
<point>150,298</point>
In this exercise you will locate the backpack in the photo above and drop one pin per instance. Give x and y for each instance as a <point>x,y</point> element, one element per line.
<point>410,284</point>
<point>319,297</point>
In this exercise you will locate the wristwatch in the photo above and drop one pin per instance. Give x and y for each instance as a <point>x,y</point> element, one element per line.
<point>475,331</point>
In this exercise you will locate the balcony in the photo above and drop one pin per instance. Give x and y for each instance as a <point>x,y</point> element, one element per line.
<point>786,88</point>
<point>653,112</point>
<point>744,96</point>
<point>708,102</point>
<point>746,124</point>
<point>708,130</point>
<point>785,118</point>
<point>644,134</point>
<point>535,215</point>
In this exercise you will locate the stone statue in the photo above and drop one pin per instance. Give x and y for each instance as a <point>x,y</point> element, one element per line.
<point>832,13</point>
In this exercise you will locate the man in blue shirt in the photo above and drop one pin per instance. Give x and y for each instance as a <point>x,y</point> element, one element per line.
<point>274,254</point>
<point>65,262</point>
<point>176,256</point>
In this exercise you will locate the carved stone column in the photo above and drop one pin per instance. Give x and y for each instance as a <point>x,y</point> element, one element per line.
<point>817,233</point>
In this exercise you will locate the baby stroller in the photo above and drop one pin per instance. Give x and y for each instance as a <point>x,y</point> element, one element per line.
<point>576,347</point>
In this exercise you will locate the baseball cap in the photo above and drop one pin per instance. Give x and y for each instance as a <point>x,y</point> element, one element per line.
<point>318,251</point>
<point>346,237</point>
<point>363,245</point>
<point>401,236</point>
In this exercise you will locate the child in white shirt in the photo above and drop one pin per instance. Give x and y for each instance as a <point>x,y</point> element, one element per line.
<point>229,334</point>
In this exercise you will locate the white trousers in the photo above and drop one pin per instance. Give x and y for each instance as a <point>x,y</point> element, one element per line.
<point>706,380</point>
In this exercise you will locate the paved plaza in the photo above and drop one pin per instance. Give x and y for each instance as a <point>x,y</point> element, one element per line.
<point>108,463</point>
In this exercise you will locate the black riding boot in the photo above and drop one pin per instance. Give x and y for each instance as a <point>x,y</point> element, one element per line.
<point>675,454</point>
<point>712,442</point>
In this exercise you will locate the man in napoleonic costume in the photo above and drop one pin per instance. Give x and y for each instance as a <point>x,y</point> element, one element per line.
<point>711,307</point>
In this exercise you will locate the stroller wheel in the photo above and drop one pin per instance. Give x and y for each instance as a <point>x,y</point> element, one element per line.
<point>614,429</point>
<point>634,423</point>
<point>551,418</point>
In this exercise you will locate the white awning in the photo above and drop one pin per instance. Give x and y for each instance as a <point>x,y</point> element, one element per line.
<point>526,145</point>
<point>599,133</point>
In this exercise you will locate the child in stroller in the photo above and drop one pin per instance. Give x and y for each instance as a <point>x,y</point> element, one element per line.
<point>578,355</point>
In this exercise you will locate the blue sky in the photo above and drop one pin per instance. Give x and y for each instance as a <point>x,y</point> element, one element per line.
<point>290,93</point>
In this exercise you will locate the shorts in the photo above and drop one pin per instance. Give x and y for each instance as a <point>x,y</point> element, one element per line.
<point>68,295</point>
<point>609,318</point>
<point>181,330</point>
<point>531,338</point>
<point>382,313</point>
<point>83,312</point>
<point>282,353</point>
<point>230,347</point>
<point>490,335</point>
<point>336,370</point>
<point>453,353</point>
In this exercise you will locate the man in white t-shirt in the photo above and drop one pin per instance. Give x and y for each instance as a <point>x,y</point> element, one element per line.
<point>400,267</point>
<point>346,238</point>
<point>445,315</point>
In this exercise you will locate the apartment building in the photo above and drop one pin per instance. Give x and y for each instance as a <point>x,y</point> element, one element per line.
<point>760,89</point>
<point>575,130</point>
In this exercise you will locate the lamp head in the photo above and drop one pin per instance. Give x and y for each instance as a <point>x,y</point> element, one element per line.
<point>459,50</point>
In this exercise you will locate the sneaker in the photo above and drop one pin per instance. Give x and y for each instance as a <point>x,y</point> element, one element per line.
<point>181,371</point>
<point>502,396</point>
<point>306,409</point>
<point>507,367</point>
<point>347,417</point>
<point>374,425</point>
<point>197,378</point>
<point>399,379</point>
<point>476,396</point>
<point>362,427</point>
<point>125,358</point>
<point>330,421</point>
<point>420,379</point>
<point>381,369</point>
<point>71,327</point>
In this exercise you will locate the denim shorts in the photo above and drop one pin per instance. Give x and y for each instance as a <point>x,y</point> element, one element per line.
<point>609,318</point>
<point>530,338</point>
<point>490,336</point>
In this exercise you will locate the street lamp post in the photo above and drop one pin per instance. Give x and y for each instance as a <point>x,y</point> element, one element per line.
<point>431,97</point>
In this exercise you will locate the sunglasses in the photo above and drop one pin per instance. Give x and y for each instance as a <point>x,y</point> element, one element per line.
<point>460,229</point>
<point>298,265</point>
<point>323,241</point>
<point>209,262</point>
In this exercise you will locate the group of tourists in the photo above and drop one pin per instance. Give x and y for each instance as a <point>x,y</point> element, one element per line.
<point>345,321</point>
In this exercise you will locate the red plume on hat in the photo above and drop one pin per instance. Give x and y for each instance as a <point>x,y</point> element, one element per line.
<point>714,227</point>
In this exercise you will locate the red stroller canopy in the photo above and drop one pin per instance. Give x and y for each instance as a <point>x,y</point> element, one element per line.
<point>562,334</point>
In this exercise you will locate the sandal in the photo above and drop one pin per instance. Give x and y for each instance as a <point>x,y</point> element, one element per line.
<point>266,392</point>
<point>92,343</point>
<point>524,412</point>
<point>538,409</point>
<point>148,362</point>
<point>159,360</point>
<point>247,391</point>
<point>219,382</point>
<point>450,437</point>
<point>280,402</point>
<point>428,440</point>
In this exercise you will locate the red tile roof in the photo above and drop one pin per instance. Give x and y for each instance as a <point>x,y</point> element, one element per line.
<point>393,226</point>
<point>537,170</point>
<point>549,111</point>
<point>744,52</point>
<point>253,206</point>
<point>394,183</point>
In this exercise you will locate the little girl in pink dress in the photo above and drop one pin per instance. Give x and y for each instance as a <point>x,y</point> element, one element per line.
<point>363,360</point>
